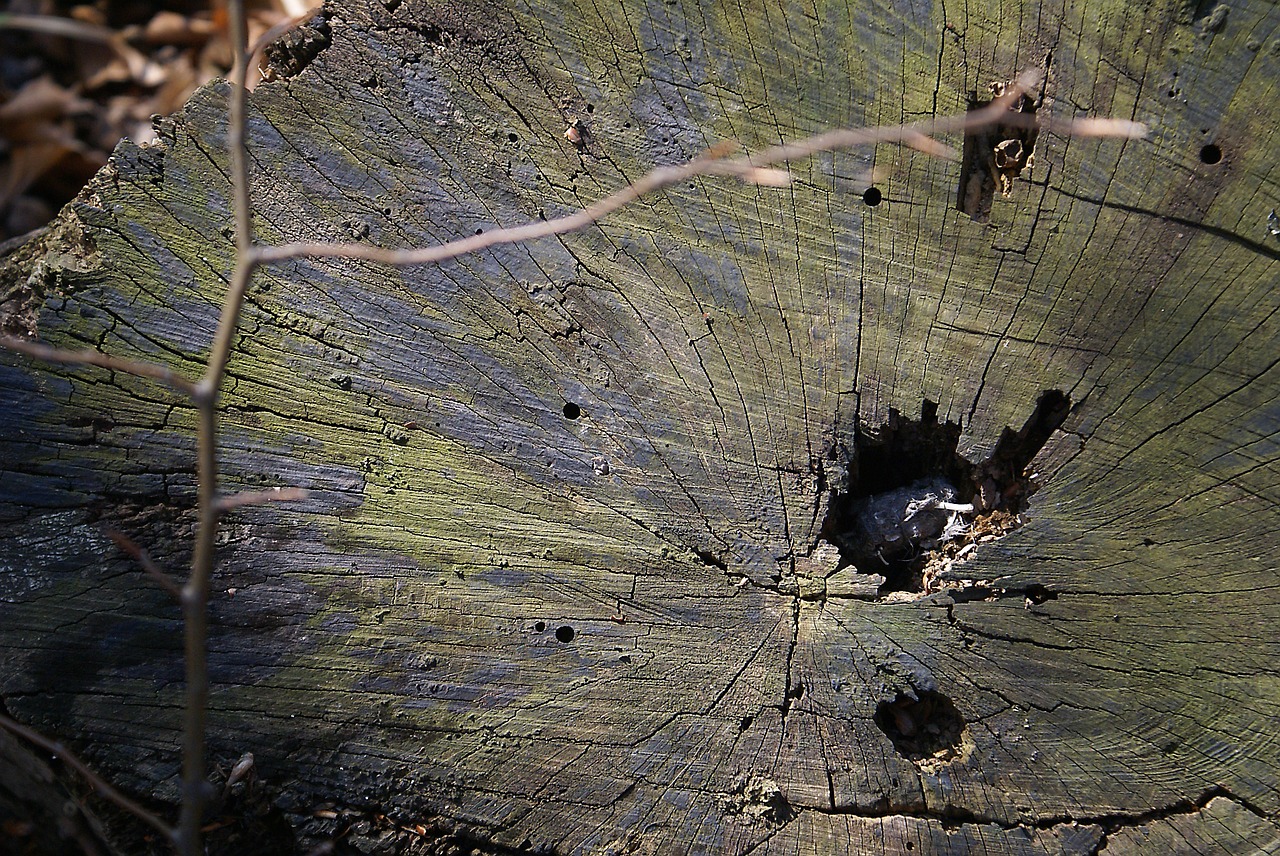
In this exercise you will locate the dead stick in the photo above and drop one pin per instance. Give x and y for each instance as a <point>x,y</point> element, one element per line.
<point>153,371</point>
<point>751,169</point>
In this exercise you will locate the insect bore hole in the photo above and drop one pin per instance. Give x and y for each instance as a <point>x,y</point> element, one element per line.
<point>564,633</point>
<point>1210,154</point>
<point>872,196</point>
<point>572,411</point>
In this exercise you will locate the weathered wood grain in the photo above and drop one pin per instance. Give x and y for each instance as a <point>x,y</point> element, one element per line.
<point>545,588</point>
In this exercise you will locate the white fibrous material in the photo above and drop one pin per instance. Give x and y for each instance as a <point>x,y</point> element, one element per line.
<point>920,516</point>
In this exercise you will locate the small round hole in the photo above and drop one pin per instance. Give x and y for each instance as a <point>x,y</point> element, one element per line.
<point>872,196</point>
<point>572,411</point>
<point>512,137</point>
<point>591,108</point>
<point>564,633</point>
<point>1210,154</point>
<point>540,626</point>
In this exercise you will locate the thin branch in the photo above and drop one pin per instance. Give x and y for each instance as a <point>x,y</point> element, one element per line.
<point>1100,127</point>
<point>143,558</point>
<point>195,618</point>
<point>95,781</point>
<point>260,497</point>
<point>752,169</point>
<point>659,178</point>
<point>237,129</point>
<point>246,259</point>
<point>153,371</point>
<point>929,146</point>
<point>195,594</point>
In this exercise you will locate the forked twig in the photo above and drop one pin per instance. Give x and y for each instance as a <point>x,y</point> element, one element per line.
<point>195,594</point>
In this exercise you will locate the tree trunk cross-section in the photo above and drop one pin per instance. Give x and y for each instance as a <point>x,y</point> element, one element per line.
<point>570,577</point>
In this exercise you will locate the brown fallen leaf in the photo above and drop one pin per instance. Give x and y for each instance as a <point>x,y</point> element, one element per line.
<point>98,74</point>
<point>37,125</point>
<point>35,105</point>
<point>170,28</point>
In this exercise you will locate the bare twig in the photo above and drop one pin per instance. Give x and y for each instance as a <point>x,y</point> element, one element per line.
<point>195,594</point>
<point>153,371</point>
<point>753,169</point>
<point>95,781</point>
<point>929,146</point>
<point>260,497</point>
<point>143,558</point>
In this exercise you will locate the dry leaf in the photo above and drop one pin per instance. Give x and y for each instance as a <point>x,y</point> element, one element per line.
<point>177,88</point>
<point>36,124</point>
<point>170,28</point>
<point>297,8</point>
<point>100,66</point>
<point>87,14</point>
<point>27,163</point>
<point>39,102</point>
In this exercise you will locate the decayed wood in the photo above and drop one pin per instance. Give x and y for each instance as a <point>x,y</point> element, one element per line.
<point>554,584</point>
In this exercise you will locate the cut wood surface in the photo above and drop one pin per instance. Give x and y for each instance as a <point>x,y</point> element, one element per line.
<point>579,570</point>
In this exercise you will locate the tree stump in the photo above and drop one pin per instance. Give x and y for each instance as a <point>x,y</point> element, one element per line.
<point>609,546</point>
